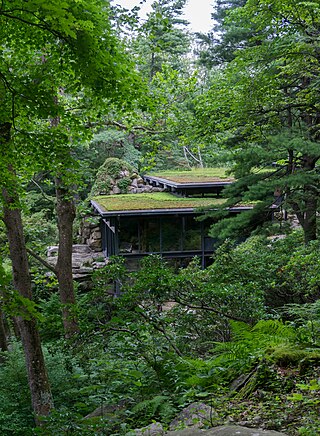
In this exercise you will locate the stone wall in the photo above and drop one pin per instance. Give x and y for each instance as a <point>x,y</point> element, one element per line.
<point>90,233</point>
<point>84,260</point>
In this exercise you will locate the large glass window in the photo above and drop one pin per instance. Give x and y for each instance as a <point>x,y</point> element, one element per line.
<point>171,233</point>
<point>128,235</point>
<point>192,234</point>
<point>154,234</point>
<point>150,234</point>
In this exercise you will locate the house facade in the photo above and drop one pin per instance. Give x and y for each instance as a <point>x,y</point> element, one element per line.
<point>165,223</point>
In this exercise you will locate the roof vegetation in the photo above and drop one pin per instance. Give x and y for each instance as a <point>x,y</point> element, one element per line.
<point>195,175</point>
<point>156,200</point>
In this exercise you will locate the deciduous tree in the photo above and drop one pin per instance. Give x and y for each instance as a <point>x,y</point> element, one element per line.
<point>48,48</point>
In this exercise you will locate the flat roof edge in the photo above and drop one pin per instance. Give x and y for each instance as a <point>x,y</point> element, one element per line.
<point>134,212</point>
<point>174,184</point>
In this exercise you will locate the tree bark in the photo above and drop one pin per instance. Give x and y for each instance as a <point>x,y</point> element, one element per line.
<point>311,203</point>
<point>36,370</point>
<point>41,397</point>
<point>66,215</point>
<point>3,337</point>
<point>310,218</point>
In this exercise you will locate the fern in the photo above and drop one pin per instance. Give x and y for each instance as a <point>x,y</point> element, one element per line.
<point>159,407</point>
<point>252,344</point>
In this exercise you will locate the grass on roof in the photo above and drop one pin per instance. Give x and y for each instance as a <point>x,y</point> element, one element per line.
<point>156,200</point>
<point>195,175</point>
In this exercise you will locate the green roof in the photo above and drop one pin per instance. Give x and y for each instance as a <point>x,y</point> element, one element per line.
<point>150,201</point>
<point>200,175</point>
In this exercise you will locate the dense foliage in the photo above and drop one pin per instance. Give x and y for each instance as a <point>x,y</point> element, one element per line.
<point>175,336</point>
<point>88,93</point>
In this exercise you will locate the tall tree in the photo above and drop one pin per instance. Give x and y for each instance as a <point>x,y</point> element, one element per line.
<point>265,106</point>
<point>162,38</point>
<point>47,48</point>
<point>227,36</point>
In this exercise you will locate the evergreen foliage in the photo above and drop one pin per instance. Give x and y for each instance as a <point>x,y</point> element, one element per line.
<point>83,100</point>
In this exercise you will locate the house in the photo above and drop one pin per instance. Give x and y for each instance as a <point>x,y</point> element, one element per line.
<point>164,223</point>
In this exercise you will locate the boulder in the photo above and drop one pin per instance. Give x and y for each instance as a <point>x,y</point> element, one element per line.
<point>84,259</point>
<point>154,429</point>
<point>148,188</point>
<point>225,430</point>
<point>196,415</point>
<point>116,190</point>
<point>81,249</point>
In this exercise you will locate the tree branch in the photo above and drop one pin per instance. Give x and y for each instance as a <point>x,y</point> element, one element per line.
<point>209,309</point>
<point>42,261</point>
<point>124,127</point>
<point>42,191</point>
<point>162,330</point>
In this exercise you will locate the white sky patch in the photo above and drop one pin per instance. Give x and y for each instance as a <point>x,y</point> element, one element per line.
<point>197,12</point>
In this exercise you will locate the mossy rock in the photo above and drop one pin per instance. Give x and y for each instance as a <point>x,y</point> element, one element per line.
<point>113,167</point>
<point>294,357</point>
<point>113,173</point>
<point>123,184</point>
<point>102,185</point>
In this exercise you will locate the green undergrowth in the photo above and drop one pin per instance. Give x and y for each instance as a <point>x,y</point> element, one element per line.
<point>234,336</point>
<point>283,399</point>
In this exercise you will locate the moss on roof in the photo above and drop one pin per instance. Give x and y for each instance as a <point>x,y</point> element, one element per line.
<point>195,175</point>
<point>155,200</point>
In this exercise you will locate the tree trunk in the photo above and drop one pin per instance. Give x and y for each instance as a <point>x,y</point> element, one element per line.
<point>311,203</point>
<point>37,375</point>
<point>310,218</point>
<point>66,215</point>
<point>3,337</point>
<point>41,397</point>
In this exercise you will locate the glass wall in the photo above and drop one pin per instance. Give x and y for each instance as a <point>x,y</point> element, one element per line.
<point>159,234</point>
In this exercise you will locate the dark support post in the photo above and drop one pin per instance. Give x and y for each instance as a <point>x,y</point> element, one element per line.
<point>103,229</point>
<point>183,227</point>
<point>160,234</point>
<point>139,235</point>
<point>116,236</point>
<point>202,245</point>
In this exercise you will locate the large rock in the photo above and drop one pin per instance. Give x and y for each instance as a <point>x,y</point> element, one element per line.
<point>195,415</point>
<point>154,429</point>
<point>225,430</point>
<point>84,259</point>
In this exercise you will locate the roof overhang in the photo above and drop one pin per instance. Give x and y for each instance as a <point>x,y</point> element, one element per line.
<point>158,212</point>
<point>166,183</point>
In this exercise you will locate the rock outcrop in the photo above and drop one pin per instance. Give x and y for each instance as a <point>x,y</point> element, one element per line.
<point>116,176</point>
<point>84,260</point>
<point>195,420</point>
<point>197,415</point>
<point>225,430</point>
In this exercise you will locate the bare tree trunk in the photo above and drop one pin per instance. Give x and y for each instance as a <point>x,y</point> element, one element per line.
<point>66,215</point>
<point>37,374</point>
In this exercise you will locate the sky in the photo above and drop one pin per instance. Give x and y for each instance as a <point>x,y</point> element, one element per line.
<point>197,12</point>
